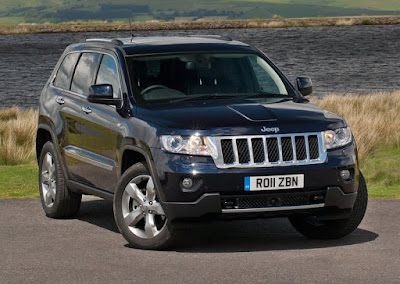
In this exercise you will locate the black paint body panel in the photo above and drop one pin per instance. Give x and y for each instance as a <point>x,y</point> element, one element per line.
<point>91,145</point>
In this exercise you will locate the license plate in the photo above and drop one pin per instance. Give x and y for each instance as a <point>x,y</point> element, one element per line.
<point>273,182</point>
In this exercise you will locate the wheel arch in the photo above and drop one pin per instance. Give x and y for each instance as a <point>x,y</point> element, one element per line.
<point>44,134</point>
<point>132,155</point>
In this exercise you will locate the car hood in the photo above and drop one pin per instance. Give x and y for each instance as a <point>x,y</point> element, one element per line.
<point>240,118</point>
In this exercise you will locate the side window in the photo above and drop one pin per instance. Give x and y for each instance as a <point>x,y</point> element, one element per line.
<point>265,81</point>
<point>84,72</point>
<point>64,72</point>
<point>108,74</point>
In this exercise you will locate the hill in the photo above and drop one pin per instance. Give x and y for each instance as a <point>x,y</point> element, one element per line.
<point>40,11</point>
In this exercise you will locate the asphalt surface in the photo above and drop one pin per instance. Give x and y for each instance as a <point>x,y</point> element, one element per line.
<point>34,248</point>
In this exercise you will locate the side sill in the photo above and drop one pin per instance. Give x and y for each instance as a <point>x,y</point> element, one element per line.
<point>81,188</point>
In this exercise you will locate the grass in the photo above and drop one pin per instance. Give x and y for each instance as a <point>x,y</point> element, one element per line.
<point>19,181</point>
<point>17,135</point>
<point>39,11</point>
<point>382,172</point>
<point>374,119</point>
<point>276,22</point>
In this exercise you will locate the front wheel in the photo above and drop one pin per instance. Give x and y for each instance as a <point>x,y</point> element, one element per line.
<point>335,229</point>
<point>138,213</point>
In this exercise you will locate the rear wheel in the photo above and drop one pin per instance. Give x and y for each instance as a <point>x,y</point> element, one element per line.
<point>57,200</point>
<point>312,228</point>
<point>138,212</point>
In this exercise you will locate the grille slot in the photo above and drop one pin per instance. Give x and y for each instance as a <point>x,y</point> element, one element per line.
<point>301,152</point>
<point>270,150</point>
<point>227,151</point>
<point>258,150</point>
<point>273,151</point>
<point>243,150</point>
<point>313,145</point>
<point>287,149</point>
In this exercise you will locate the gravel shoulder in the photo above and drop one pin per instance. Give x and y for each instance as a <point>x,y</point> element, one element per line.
<point>89,248</point>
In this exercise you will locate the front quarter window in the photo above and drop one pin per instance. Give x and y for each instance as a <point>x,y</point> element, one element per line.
<point>108,74</point>
<point>268,80</point>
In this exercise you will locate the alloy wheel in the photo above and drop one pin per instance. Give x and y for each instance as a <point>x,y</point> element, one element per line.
<point>141,210</point>
<point>49,183</point>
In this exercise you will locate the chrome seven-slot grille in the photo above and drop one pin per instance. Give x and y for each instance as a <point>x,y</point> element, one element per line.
<point>270,150</point>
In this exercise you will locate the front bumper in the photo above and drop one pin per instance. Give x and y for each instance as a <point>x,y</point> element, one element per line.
<point>335,205</point>
<point>221,191</point>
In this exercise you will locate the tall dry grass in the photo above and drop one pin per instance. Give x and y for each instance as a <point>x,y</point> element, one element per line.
<point>373,118</point>
<point>17,135</point>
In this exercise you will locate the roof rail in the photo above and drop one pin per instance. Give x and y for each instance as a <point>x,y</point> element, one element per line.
<point>226,38</point>
<point>107,40</point>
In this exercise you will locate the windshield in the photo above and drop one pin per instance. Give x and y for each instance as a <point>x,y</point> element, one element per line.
<point>204,75</point>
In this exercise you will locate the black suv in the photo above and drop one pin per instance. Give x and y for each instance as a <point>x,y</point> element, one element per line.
<point>174,129</point>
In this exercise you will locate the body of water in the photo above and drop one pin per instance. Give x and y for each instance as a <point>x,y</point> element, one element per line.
<point>338,59</point>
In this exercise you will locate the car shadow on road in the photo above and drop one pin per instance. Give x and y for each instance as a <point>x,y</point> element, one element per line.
<point>229,236</point>
<point>98,212</point>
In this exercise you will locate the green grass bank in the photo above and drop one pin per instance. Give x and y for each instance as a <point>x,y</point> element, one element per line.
<point>103,26</point>
<point>380,170</point>
<point>374,119</point>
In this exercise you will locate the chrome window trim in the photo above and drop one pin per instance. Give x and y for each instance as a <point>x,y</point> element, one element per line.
<point>219,161</point>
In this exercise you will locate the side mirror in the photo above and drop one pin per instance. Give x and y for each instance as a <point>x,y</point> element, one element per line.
<point>304,85</point>
<point>103,94</point>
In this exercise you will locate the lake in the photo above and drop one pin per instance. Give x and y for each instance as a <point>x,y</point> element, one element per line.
<point>338,59</point>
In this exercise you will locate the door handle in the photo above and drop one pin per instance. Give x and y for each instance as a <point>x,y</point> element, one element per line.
<point>60,101</point>
<point>86,109</point>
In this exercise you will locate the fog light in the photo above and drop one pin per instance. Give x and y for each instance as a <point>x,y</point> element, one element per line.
<point>345,174</point>
<point>187,182</point>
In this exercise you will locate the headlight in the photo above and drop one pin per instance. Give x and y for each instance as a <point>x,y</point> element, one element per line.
<point>190,145</point>
<point>337,138</point>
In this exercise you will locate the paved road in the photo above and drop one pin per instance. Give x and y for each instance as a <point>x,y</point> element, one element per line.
<point>34,249</point>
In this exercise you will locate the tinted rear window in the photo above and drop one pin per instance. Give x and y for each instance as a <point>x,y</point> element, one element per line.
<point>84,72</point>
<point>64,72</point>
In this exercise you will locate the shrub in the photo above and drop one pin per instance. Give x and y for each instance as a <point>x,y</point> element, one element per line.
<point>17,135</point>
<point>373,118</point>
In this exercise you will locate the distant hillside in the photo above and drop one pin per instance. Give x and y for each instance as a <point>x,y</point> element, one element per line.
<point>40,11</point>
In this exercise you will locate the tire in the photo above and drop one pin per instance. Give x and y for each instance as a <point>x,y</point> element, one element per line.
<point>335,229</point>
<point>138,213</point>
<point>57,200</point>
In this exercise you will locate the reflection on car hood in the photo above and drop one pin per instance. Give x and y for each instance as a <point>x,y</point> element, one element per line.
<point>246,118</point>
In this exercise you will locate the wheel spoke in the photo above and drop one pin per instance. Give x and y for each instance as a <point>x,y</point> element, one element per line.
<point>135,193</point>
<point>45,176</point>
<point>52,169</point>
<point>133,217</point>
<point>48,199</point>
<point>46,181</point>
<point>150,191</point>
<point>156,208</point>
<point>150,227</point>
<point>48,161</point>
<point>52,189</point>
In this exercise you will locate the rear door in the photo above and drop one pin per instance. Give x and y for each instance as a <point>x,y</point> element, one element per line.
<point>66,110</point>
<point>73,116</point>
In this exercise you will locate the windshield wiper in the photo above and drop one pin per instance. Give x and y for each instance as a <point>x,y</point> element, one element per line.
<point>200,97</point>
<point>268,95</point>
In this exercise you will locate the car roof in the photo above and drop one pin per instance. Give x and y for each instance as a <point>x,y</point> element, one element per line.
<point>166,44</point>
